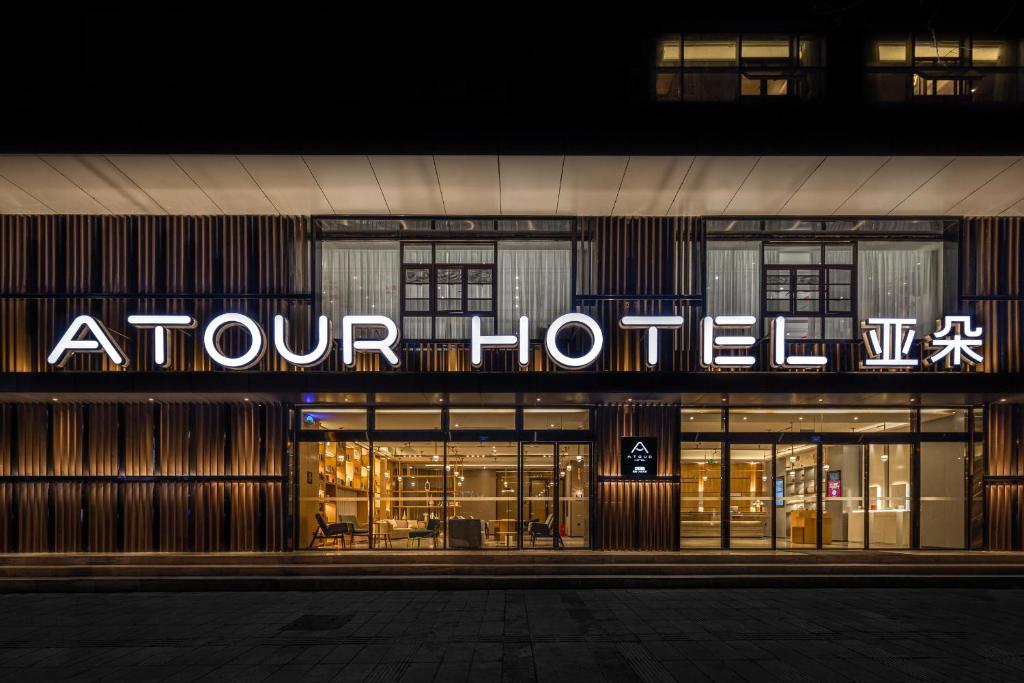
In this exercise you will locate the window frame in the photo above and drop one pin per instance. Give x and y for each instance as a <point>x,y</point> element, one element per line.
<point>758,69</point>
<point>823,268</point>
<point>432,286</point>
<point>961,71</point>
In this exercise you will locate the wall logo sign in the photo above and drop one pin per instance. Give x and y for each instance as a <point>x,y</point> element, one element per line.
<point>725,341</point>
<point>639,457</point>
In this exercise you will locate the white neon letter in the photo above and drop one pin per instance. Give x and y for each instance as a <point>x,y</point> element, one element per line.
<point>955,342</point>
<point>216,329</point>
<point>71,342</point>
<point>385,345</point>
<point>304,360</point>
<point>779,359</point>
<point>588,324</point>
<point>499,341</point>
<point>652,323</point>
<point>710,343</point>
<point>887,342</point>
<point>160,324</point>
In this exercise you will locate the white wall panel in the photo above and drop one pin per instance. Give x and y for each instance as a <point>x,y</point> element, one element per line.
<point>953,184</point>
<point>831,184</point>
<point>711,184</point>
<point>16,201</point>
<point>163,180</point>
<point>894,181</point>
<point>105,183</point>
<point>771,183</point>
<point>348,183</point>
<point>650,185</point>
<point>590,185</point>
<point>287,182</point>
<point>46,185</point>
<point>409,184</point>
<point>227,183</point>
<point>469,184</point>
<point>529,184</point>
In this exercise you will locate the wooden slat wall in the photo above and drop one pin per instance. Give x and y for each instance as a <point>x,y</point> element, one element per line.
<point>56,267</point>
<point>992,290</point>
<point>94,477</point>
<point>635,515</point>
<point>647,256</point>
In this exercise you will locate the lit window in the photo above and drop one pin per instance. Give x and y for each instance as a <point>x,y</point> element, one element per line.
<point>726,68</point>
<point>669,51</point>
<point>944,69</point>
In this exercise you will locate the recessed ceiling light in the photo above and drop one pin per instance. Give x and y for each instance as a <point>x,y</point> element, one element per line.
<point>55,399</point>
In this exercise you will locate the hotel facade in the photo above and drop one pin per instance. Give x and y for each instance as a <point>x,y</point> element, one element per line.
<point>684,348</point>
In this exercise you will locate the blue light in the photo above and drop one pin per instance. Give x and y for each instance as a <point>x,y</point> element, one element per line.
<point>310,419</point>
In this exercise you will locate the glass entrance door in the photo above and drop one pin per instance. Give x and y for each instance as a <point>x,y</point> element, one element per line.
<point>555,498</point>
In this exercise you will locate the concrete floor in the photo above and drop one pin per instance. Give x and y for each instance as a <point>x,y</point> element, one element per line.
<point>549,635</point>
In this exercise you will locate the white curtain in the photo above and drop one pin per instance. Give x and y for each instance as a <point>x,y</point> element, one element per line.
<point>900,280</point>
<point>734,278</point>
<point>533,280</point>
<point>358,278</point>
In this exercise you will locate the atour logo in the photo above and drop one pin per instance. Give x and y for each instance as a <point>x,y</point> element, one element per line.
<point>639,457</point>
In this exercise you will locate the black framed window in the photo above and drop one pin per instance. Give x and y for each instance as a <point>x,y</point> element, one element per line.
<point>943,68</point>
<point>727,68</point>
<point>444,284</point>
<point>812,285</point>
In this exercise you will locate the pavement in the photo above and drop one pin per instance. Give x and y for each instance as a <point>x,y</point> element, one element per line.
<point>740,634</point>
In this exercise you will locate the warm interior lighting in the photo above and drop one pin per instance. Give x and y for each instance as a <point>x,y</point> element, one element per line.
<point>765,49</point>
<point>942,50</point>
<point>891,52</point>
<point>669,51</point>
<point>713,50</point>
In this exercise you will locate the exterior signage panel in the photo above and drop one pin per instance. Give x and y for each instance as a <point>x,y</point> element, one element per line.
<point>956,342</point>
<point>639,457</point>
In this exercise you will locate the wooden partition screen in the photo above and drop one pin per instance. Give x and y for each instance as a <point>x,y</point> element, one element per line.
<point>992,289</point>
<point>127,477</point>
<point>53,268</point>
<point>637,515</point>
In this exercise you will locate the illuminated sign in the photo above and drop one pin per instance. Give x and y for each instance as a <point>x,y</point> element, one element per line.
<point>726,341</point>
<point>639,457</point>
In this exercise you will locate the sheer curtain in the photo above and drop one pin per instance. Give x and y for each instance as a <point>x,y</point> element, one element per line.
<point>900,280</point>
<point>734,278</point>
<point>533,280</point>
<point>359,278</point>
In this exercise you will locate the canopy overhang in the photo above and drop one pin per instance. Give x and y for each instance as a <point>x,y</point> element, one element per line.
<point>492,185</point>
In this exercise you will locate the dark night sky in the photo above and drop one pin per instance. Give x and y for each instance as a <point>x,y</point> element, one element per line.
<point>519,76</point>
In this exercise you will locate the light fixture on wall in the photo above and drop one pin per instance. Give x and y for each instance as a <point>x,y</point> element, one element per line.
<point>885,454</point>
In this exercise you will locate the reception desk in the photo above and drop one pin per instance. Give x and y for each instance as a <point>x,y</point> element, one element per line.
<point>888,528</point>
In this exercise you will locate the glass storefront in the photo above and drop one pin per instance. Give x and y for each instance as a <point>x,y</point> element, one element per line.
<point>493,488</point>
<point>832,478</point>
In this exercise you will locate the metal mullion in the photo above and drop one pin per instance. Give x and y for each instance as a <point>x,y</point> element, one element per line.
<point>771,490</point>
<point>865,484</point>
<point>556,496</point>
<point>818,498</point>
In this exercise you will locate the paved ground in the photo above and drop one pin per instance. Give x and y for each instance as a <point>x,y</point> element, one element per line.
<point>549,635</point>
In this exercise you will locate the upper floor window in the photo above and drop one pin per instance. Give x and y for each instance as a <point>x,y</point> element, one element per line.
<point>434,287</point>
<point>825,285</point>
<point>726,68</point>
<point>943,68</point>
<point>444,284</point>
